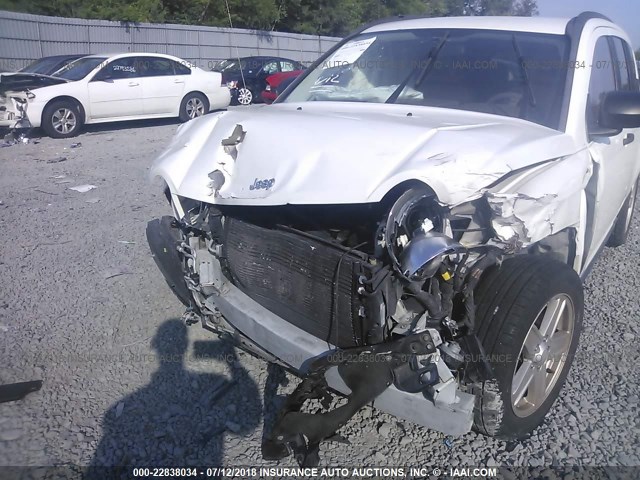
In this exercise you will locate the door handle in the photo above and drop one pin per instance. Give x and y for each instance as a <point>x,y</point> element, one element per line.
<point>133,84</point>
<point>178,81</point>
<point>629,137</point>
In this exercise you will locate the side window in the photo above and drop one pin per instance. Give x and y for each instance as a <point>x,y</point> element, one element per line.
<point>287,66</point>
<point>155,66</point>
<point>602,81</point>
<point>119,69</point>
<point>180,68</point>
<point>625,64</point>
<point>621,64</point>
<point>270,67</point>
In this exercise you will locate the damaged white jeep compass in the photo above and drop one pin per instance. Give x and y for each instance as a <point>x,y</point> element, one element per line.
<point>410,222</point>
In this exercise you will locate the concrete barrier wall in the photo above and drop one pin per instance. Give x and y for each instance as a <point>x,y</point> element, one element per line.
<point>25,37</point>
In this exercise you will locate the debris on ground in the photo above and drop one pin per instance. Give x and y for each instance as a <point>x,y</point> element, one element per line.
<point>57,160</point>
<point>92,200</point>
<point>126,242</point>
<point>83,188</point>
<point>448,442</point>
<point>44,191</point>
<point>116,271</point>
<point>75,145</point>
<point>17,391</point>
<point>14,137</point>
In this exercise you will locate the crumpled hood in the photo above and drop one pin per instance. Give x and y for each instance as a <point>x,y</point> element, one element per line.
<point>338,153</point>
<point>27,81</point>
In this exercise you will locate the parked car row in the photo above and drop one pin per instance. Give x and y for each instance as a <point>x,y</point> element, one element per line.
<point>64,92</point>
<point>251,79</point>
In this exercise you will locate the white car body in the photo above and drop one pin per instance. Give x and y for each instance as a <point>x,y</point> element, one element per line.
<point>142,97</point>
<point>537,181</point>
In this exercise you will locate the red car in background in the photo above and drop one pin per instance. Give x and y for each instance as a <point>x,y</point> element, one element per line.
<point>271,91</point>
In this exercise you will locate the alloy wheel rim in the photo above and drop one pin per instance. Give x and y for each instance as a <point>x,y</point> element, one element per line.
<point>64,120</point>
<point>244,96</point>
<point>195,108</point>
<point>543,355</point>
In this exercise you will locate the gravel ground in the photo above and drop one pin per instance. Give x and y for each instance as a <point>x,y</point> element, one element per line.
<point>83,307</point>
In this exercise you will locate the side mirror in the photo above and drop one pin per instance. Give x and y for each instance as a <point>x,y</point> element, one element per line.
<point>620,110</point>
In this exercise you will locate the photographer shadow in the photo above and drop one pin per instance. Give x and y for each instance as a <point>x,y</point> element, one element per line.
<point>180,417</point>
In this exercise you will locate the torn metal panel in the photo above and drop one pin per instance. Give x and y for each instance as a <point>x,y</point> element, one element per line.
<point>13,109</point>
<point>540,202</point>
<point>514,214</point>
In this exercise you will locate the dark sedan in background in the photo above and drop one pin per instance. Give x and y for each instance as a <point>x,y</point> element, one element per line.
<point>246,77</point>
<point>49,65</point>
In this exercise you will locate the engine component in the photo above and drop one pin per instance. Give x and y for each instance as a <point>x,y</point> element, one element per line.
<point>452,355</point>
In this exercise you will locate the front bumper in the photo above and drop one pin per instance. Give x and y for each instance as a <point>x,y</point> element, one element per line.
<point>268,96</point>
<point>296,348</point>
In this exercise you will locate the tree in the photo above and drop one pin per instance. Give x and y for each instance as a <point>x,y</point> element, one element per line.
<point>320,17</point>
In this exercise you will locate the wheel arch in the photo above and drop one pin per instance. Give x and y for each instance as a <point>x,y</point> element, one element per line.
<point>195,91</point>
<point>83,111</point>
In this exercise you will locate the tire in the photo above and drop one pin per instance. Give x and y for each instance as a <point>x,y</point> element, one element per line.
<point>193,105</point>
<point>62,119</point>
<point>623,221</point>
<point>511,304</point>
<point>245,96</point>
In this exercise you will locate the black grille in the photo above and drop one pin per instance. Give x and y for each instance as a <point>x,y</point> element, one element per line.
<point>292,275</point>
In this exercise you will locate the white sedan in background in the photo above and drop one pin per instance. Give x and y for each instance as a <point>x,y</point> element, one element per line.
<point>110,88</point>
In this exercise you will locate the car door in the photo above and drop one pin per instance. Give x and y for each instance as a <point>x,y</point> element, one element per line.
<point>613,152</point>
<point>163,83</point>
<point>115,90</point>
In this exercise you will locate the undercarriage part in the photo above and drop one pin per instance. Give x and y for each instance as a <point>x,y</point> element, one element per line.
<point>367,372</point>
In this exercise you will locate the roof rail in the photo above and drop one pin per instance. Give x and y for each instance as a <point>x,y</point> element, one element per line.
<point>584,16</point>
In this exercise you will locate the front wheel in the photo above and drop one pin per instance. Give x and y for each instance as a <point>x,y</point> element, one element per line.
<point>193,105</point>
<point>62,119</point>
<point>529,318</point>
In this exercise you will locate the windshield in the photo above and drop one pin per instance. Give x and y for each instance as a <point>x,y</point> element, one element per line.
<point>44,66</point>
<point>517,74</point>
<point>80,68</point>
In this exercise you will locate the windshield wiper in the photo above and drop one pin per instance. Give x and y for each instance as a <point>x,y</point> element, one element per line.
<point>433,54</point>
<point>523,69</point>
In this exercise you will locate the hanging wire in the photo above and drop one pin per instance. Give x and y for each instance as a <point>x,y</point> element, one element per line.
<point>237,50</point>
